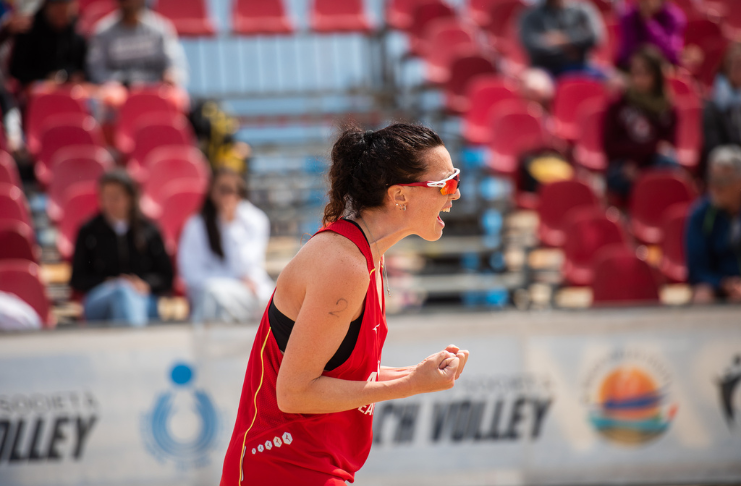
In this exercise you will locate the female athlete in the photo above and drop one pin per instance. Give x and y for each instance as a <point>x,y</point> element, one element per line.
<point>315,371</point>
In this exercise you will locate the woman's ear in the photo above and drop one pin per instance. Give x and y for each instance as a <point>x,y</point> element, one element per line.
<point>397,195</point>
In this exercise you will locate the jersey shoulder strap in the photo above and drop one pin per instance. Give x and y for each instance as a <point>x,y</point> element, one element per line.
<point>354,234</point>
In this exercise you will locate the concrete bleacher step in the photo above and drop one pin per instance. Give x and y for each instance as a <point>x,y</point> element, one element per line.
<point>581,297</point>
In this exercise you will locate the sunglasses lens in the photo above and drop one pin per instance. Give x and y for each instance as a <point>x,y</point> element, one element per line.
<point>450,187</point>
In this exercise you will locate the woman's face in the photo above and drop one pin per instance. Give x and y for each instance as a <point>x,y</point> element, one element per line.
<point>424,204</point>
<point>641,77</point>
<point>225,194</point>
<point>115,202</point>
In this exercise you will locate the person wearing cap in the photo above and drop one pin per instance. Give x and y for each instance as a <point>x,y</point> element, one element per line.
<point>713,234</point>
<point>51,49</point>
<point>135,45</point>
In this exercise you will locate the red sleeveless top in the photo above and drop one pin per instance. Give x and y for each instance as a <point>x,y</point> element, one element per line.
<point>272,447</point>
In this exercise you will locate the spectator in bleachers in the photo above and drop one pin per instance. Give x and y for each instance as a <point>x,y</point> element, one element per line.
<point>120,263</point>
<point>714,231</point>
<point>135,45</point>
<point>659,23</point>
<point>640,126</point>
<point>722,114</point>
<point>52,49</point>
<point>221,254</point>
<point>559,34</point>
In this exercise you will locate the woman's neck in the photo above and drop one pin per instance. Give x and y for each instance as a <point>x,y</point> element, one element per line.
<point>384,231</point>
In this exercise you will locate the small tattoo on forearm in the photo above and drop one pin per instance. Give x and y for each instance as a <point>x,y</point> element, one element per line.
<point>342,304</point>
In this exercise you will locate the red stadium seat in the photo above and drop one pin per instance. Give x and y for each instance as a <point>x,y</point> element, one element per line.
<point>23,279</point>
<point>190,17</point>
<point>260,17</point>
<point>339,16</point>
<point>691,8</point>
<point>139,104</point>
<point>555,201</point>
<point>571,93</point>
<point>684,92</point>
<point>673,264</point>
<point>168,164</point>
<point>400,13</point>
<point>589,230</point>
<point>17,241</point>
<point>72,165</point>
<point>443,38</point>
<point>180,200</point>
<point>653,193</point>
<point>93,13</point>
<point>42,106</point>
<point>424,15</point>
<point>63,131</point>
<point>606,7</point>
<point>515,130</point>
<point>480,11</point>
<point>466,66</point>
<point>13,204</point>
<point>708,37</point>
<point>80,205</point>
<point>503,15</point>
<point>607,50</point>
<point>621,277</point>
<point>9,170</point>
<point>589,149</point>
<point>484,94</point>
<point>155,132</point>
<point>689,136</point>
<point>732,21</point>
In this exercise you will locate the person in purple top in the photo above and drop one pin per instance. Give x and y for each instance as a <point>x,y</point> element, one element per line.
<point>656,22</point>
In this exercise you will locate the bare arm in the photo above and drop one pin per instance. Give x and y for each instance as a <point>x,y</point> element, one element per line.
<point>338,287</point>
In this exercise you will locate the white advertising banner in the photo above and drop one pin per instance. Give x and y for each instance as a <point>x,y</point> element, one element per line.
<point>629,397</point>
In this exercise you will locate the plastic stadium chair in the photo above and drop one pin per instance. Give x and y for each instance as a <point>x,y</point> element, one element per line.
<point>156,132</point>
<point>570,94</point>
<point>683,91</point>
<point>732,20</point>
<point>607,51</point>
<point>443,38</point>
<point>692,9</point>
<point>168,164</point>
<point>9,170</point>
<point>621,277</point>
<point>180,200</point>
<point>41,106</point>
<point>503,15</point>
<point>339,16</point>
<point>480,11</point>
<point>190,17</point>
<point>653,193</point>
<point>514,132</point>
<point>589,147</point>
<point>606,7</point>
<point>137,105</point>
<point>400,13</point>
<point>260,17</point>
<point>556,200</point>
<point>589,230</point>
<point>72,165</point>
<point>673,263</point>
<point>63,131</point>
<point>484,94</point>
<point>81,204</point>
<point>424,15</point>
<point>689,136</point>
<point>707,36</point>
<point>93,13</point>
<point>17,241</point>
<point>466,66</point>
<point>13,204</point>
<point>23,279</point>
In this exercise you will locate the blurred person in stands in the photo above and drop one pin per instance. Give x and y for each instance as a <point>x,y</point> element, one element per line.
<point>14,20</point>
<point>135,45</point>
<point>52,49</point>
<point>221,254</point>
<point>659,23</point>
<point>640,126</point>
<point>713,234</point>
<point>120,263</point>
<point>722,114</point>
<point>559,34</point>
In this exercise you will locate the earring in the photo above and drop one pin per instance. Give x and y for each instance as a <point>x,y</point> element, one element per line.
<point>403,208</point>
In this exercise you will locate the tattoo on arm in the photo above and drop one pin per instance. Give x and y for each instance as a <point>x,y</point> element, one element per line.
<point>342,305</point>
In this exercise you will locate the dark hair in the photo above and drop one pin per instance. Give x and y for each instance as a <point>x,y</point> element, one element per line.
<point>366,163</point>
<point>210,214</point>
<point>655,63</point>
<point>124,180</point>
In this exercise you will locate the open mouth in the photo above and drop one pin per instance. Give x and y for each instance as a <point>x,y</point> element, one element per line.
<point>439,219</point>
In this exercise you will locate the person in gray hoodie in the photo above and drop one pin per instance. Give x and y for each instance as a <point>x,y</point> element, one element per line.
<point>559,34</point>
<point>135,45</point>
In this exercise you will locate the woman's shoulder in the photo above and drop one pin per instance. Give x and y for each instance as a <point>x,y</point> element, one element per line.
<point>333,253</point>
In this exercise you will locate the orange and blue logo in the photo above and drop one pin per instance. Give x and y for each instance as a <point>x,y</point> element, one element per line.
<point>630,407</point>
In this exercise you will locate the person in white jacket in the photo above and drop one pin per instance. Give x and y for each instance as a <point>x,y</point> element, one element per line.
<point>221,254</point>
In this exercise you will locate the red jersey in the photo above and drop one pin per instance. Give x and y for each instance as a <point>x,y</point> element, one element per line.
<point>276,448</point>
